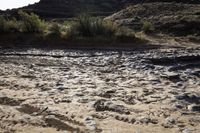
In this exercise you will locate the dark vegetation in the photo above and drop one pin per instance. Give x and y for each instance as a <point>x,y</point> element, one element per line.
<point>28,23</point>
<point>84,29</point>
<point>147,27</point>
<point>98,29</point>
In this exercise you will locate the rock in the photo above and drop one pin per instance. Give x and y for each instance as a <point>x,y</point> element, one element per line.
<point>194,120</point>
<point>61,88</point>
<point>106,94</point>
<point>194,108</point>
<point>154,121</point>
<point>173,91</point>
<point>133,120</point>
<point>169,122</point>
<point>177,106</point>
<point>59,84</point>
<point>196,73</point>
<point>147,120</point>
<point>103,105</point>
<point>130,100</point>
<point>149,66</point>
<point>171,76</point>
<point>189,98</point>
<point>79,94</point>
<point>186,131</point>
<point>52,121</point>
<point>25,119</point>
<point>144,120</point>
<point>179,84</point>
<point>65,100</point>
<point>28,76</point>
<point>90,122</point>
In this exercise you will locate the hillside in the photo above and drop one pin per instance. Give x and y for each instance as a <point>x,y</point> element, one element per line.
<point>71,8</point>
<point>176,18</point>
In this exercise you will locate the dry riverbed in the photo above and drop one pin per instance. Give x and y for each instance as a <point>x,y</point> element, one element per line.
<point>49,91</point>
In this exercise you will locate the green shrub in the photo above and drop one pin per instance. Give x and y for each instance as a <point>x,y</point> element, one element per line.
<point>84,26</point>
<point>31,23</point>
<point>106,28</point>
<point>87,26</point>
<point>12,26</point>
<point>2,24</point>
<point>125,35</point>
<point>9,26</point>
<point>55,30</point>
<point>85,29</point>
<point>147,27</point>
<point>94,29</point>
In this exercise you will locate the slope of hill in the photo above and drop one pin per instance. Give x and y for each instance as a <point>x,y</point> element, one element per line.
<point>176,18</point>
<point>71,8</point>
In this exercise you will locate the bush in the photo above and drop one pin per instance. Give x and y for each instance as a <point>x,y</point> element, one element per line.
<point>55,30</point>
<point>31,23</point>
<point>125,35</point>
<point>87,26</point>
<point>84,26</point>
<point>106,28</point>
<point>2,24</point>
<point>85,29</point>
<point>9,26</point>
<point>12,26</point>
<point>94,29</point>
<point>147,27</point>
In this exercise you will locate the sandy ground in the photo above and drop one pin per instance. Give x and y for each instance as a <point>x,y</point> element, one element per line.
<point>50,91</point>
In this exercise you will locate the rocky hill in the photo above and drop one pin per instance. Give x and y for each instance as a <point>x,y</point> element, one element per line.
<point>71,8</point>
<point>176,18</point>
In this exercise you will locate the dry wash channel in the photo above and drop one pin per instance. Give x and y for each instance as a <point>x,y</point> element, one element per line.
<point>94,91</point>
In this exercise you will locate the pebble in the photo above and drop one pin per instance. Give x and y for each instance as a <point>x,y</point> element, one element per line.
<point>194,108</point>
<point>169,122</point>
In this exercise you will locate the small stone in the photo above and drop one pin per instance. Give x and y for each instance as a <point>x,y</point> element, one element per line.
<point>177,106</point>
<point>169,122</point>
<point>186,131</point>
<point>194,108</point>
<point>171,76</point>
<point>66,101</point>
<point>181,125</point>
<point>104,105</point>
<point>79,94</point>
<point>154,121</point>
<point>61,88</point>
<point>88,118</point>
<point>90,122</point>
<point>144,120</point>
<point>132,120</point>
<point>189,98</point>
